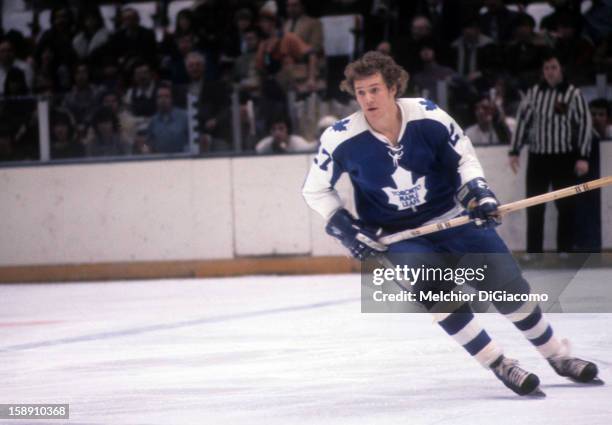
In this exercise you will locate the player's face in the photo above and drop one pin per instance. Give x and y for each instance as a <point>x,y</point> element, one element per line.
<point>374,97</point>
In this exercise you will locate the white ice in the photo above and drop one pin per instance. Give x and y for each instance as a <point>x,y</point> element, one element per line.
<point>270,350</point>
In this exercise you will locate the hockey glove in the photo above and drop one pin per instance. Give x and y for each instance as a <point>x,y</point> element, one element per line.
<point>480,202</point>
<point>361,241</point>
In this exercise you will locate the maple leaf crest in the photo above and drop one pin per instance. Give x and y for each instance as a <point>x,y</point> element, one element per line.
<point>407,192</point>
<point>340,125</point>
<point>429,105</point>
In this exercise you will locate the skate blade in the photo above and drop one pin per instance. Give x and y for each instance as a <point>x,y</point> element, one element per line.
<point>537,393</point>
<point>593,382</point>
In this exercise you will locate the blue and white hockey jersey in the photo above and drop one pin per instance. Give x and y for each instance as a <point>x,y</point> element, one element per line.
<point>395,187</point>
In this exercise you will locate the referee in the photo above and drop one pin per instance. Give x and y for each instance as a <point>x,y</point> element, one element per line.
<point>554,120</point>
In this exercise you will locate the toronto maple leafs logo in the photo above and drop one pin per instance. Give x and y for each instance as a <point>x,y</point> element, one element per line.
<point>429,105</point>
<point>407,193</point>
<point>340,125</point>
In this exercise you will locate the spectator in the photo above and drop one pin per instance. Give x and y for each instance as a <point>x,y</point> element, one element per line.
<point>184,26</point>
<point>58,40</point>
<point>212,99</point>
<point>281,141</point>
<point>168,129</point>
<point>215,115</point>
<point>248,122</point>
<point>427,79</point>
<point>372,18</point>
<point>523,53</point>
<point>309,29</point>
<point>133,40</point>
<point>602,58</point>
<point>91,41</point>
<point>385,48</point>
<point>575,51</point>
<point>445,15</point>
<point>15,83</point>
<point>107,139</point>
<point>22,48</point>
<point>598,20</point>
<point>174,68</point>
<point>19,113</point>
<point>498,22</point>
<point>283,56</point>
<point>44,74</point>
<point>407,49</point>
<point>600,113</point>
<point>195,66</point>
<point>245,67</point>
<point>141,143</point>
<point>175,47</point>
<point>554,121</point>
<point>8,61</point>
<point>506,98</point>
<point>212,19</point>
<point>128,123</point>
<point>64,143</point>
<point>235,43</point>
<point>474,52</point>
<point>184,23</point>
<point>6,66</point>
<point>490,128</point>
<point>562,10</point>
<point>140,98</point>
<point>82,99</point>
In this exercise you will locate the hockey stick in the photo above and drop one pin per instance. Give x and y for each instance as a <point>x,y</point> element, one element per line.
<point>503,209</point>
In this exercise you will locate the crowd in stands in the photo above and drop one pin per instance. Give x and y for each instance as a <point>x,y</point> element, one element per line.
<point>126,90</point>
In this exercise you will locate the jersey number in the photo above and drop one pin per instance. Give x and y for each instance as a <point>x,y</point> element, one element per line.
<point>323,159</point>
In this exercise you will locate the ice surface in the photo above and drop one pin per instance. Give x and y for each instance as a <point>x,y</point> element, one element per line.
<point>270,350</point>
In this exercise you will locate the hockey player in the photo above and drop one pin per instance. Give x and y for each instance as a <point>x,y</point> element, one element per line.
<point>411,164</point>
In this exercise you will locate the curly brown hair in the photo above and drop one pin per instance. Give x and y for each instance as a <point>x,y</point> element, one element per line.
<point>370,64</point>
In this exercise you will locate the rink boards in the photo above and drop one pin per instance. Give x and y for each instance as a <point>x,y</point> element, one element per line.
<point>172,218</point>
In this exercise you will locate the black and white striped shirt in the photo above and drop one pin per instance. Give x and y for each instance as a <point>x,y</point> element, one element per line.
<point>553,121</point>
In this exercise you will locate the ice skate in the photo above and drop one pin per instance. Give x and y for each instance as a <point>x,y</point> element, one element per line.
<point>517,379</point>
<point>576,369</point>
